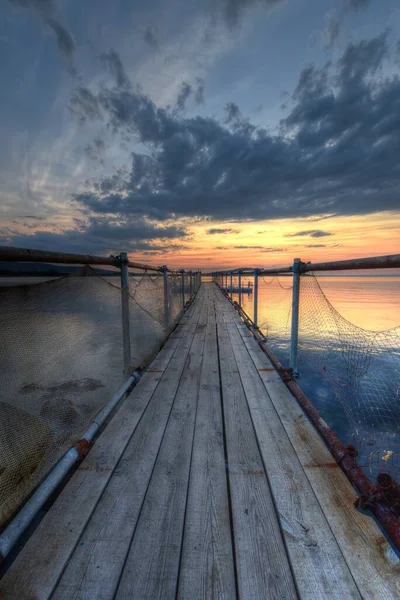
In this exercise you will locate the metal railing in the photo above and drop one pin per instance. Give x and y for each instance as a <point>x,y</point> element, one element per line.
<point>383,497</point>
<point>122,262</point>
<point>297,269</point>
<point>54,477</point>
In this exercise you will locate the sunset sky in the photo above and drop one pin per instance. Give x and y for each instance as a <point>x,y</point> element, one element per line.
<point>201,133</point>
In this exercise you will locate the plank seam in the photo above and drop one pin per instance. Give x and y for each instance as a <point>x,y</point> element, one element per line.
<point>302,468</point>
<point>266,475</point>
<point>188,482</point>
<point>154,465</point>
<point>234,550</point>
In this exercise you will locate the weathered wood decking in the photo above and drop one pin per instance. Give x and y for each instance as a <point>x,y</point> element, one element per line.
<point>209,482</point>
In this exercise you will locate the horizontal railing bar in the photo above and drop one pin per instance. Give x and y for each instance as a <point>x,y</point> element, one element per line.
<point>43,256</point>
<point>390,261</point>
<point>376,262</point>
<point>27,255</point>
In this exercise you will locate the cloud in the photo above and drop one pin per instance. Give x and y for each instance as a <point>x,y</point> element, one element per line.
<point>199,92</point>
<point>185,91</point>
<point>248,247</point>
<point>47,12</point>
<point>112,62</point>
<point>337,18</point>
<point>315,233</point>
<point>335,152</point>
<point>233,113</point>
<point>273,249</point>
<point>84,104</point>
<point>232,10</point>
<point>216,230</point>
<point>316,246</point>
<point>99,234</point>
<point>95,151</point>
<point>149,37</point>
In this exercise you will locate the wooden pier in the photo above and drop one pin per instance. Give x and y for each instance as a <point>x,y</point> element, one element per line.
<point>209,482</point>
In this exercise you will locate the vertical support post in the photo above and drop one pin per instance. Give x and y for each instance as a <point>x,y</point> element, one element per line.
<point>294,336</point>
<point>255,291</point>
<point>231,285</point>
<point>240,287</point>
<point>191,285</point>
<point>126,338</point>
<point>166,299</point>
<point>183,288</point>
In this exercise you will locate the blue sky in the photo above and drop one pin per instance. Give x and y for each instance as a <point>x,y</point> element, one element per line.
<point>67,177</point>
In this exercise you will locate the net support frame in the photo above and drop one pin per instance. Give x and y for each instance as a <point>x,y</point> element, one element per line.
<point>294,334</point>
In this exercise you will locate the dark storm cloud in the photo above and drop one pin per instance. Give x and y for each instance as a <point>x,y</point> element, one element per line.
<point>337,18</point>
<point>46,10</point>
<point>96,150</point>
<point>199,92</point>
<point>358,4</point>
<point>84,104</point>
<point>315,233</point>
<point>185,91</point>
<point>336,151</point>
<point>232,10</point>
<point>216,230</point>
<point>112,62</point>
<point>232,112</point>
<point>150,38</point>
<point>99,234</point>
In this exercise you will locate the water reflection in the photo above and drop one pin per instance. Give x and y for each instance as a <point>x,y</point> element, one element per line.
<point>349,367</point>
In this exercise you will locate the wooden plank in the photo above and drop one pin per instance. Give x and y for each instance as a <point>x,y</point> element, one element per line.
<point>95,568</point>
<point>152,565</point>
<point>263,569</point>
<point>207,568</point>
<point>39,565</point>
<point>317,562</point>
<point>373,564</point>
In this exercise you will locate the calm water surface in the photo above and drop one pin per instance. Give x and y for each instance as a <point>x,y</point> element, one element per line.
<point>349,370</point>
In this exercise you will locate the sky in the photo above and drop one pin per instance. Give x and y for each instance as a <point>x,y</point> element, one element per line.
<point>201,133</point>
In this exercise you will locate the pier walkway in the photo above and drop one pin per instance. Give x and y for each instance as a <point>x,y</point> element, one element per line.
<point>209,482</point>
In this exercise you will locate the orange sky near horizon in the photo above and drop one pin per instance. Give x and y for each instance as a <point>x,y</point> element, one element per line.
<point>276,243</point>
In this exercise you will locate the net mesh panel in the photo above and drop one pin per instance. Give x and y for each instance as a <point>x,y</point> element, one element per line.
<point>352,375</point>
<point>61,358</point>
<point>362,368</point>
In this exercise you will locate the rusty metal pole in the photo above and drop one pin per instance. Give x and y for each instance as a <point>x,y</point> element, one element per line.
<point>183,288</point>
<point>294,335</point>
<point>166,299</point>
<point>255,319</point>
<point>125,311</point>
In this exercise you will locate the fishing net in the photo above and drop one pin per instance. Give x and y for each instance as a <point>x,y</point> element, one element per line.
<point>358,368</point>
<point>352,375</point>
<point>61,358</point>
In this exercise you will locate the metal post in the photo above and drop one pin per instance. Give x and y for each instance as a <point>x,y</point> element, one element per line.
<point>231,284</point>
<point>191,284</point>
<point>295,316</point>
<point>125,310</point>
<point>255,291</point>
<point>240,288</point>
<point>183,289</point>
<point>166,302</point>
